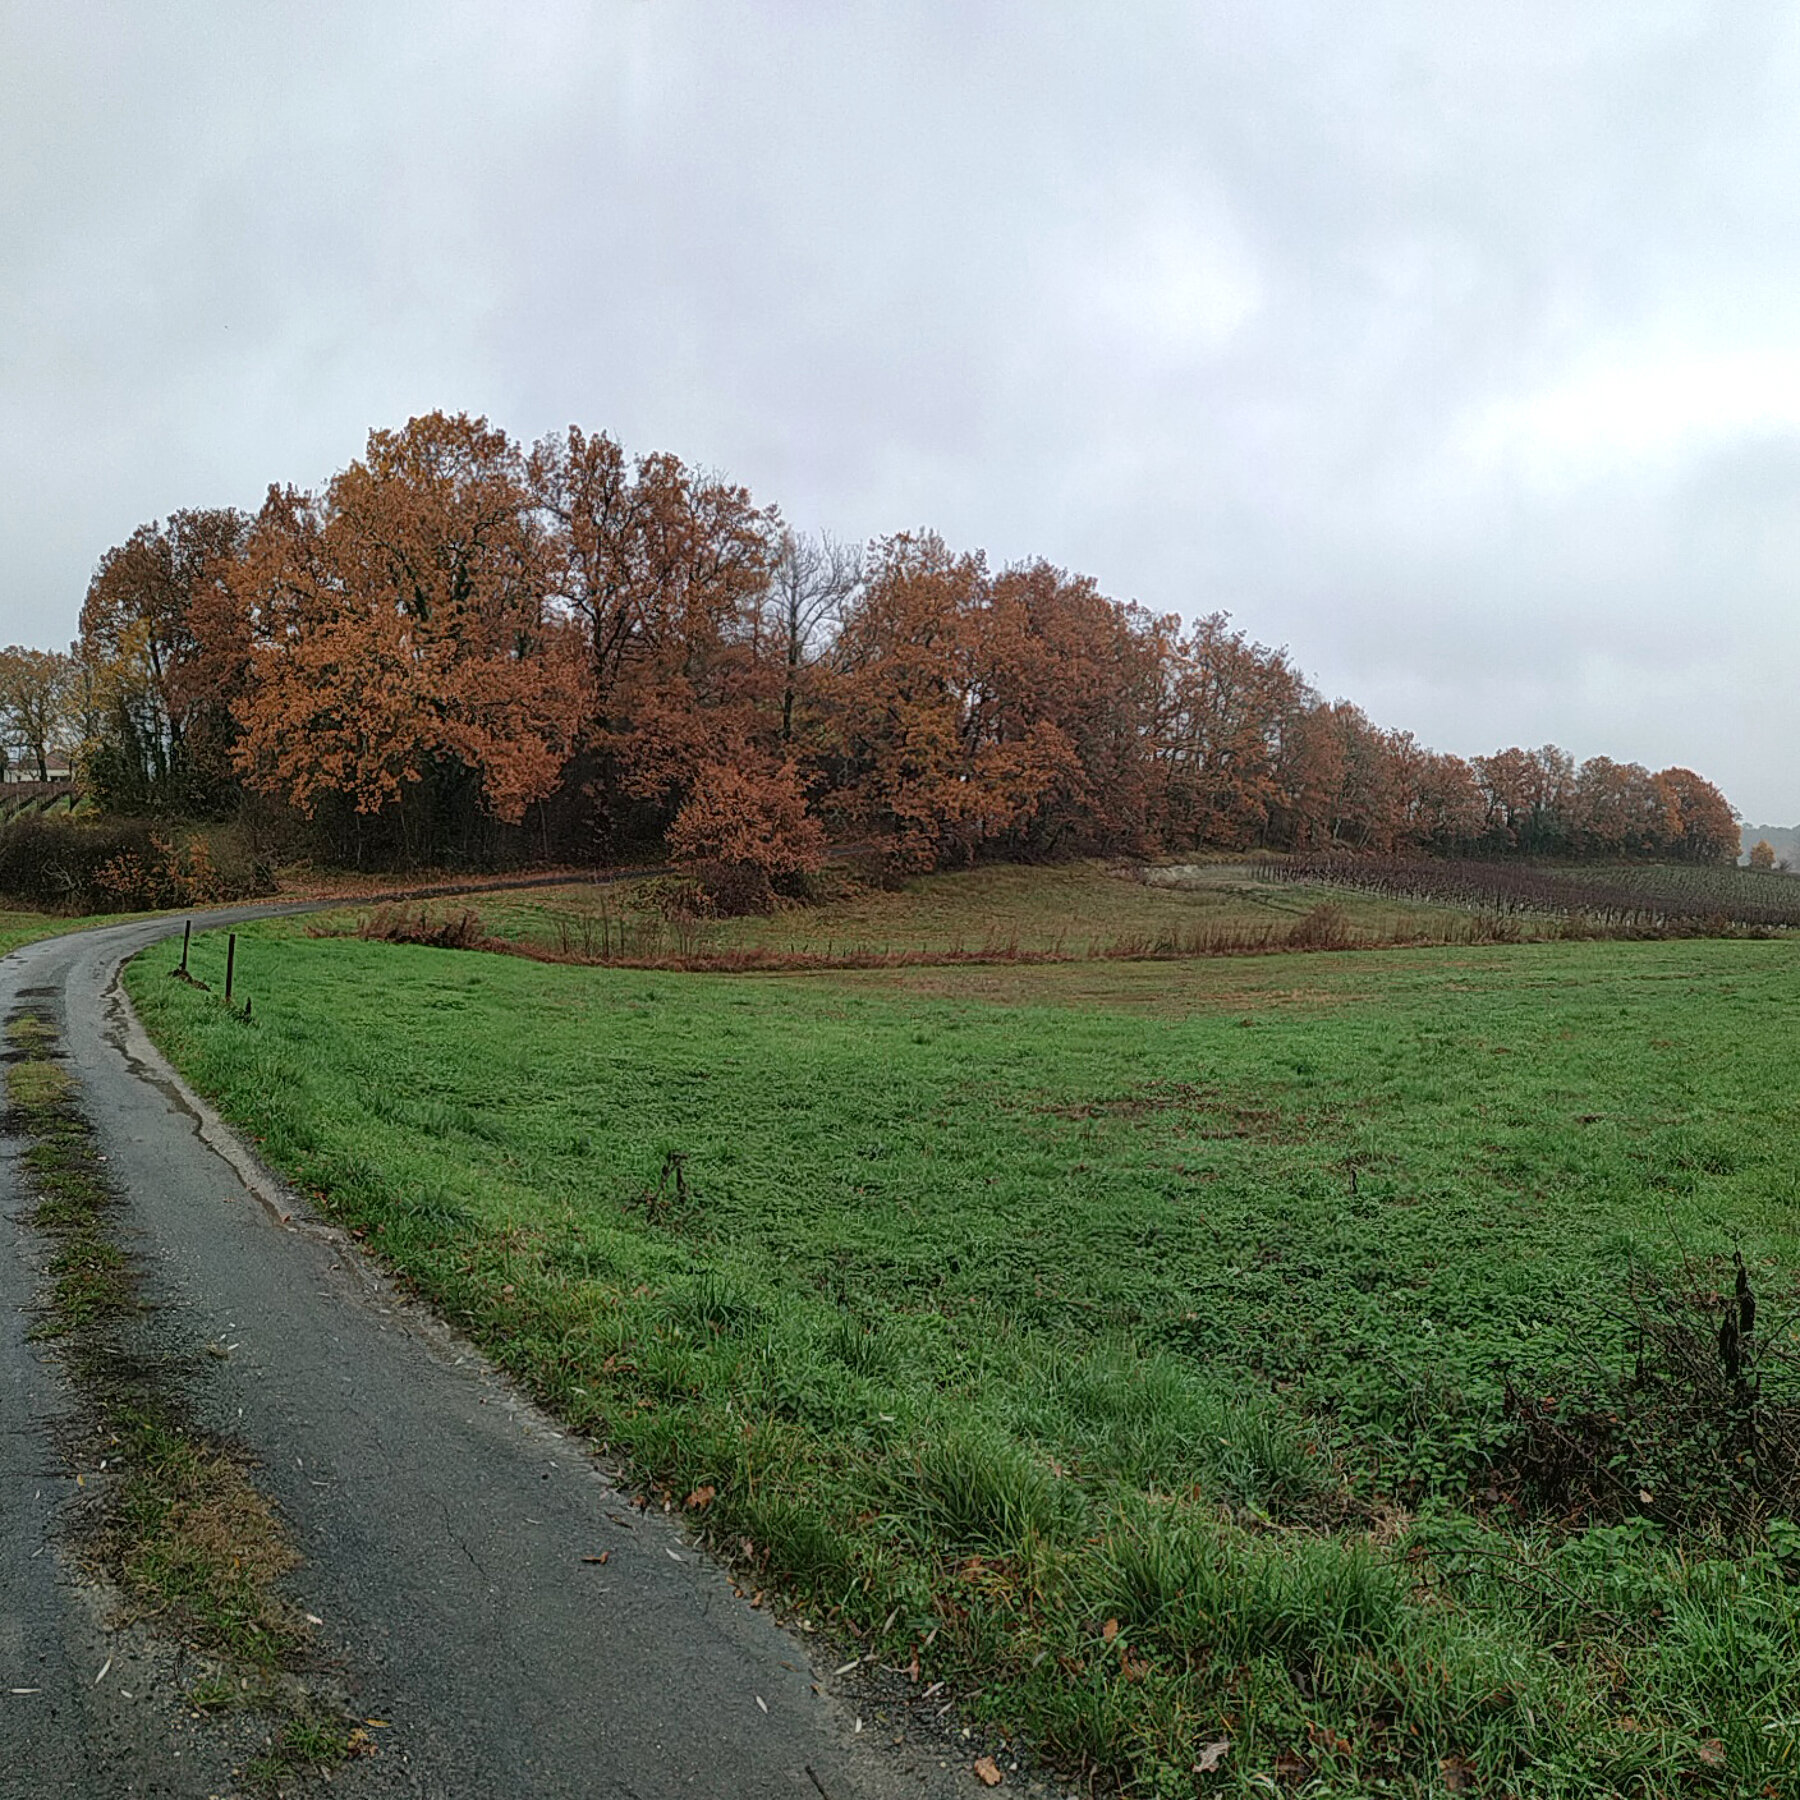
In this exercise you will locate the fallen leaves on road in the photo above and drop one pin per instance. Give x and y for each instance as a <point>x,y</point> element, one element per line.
<point>987,1771</point>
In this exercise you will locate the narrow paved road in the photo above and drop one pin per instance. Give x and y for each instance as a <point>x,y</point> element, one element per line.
<point>448,1530</point>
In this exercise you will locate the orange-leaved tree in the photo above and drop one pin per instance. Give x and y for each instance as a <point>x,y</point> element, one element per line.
<point>941,743</point>
<point>37,703</point>
<point>1704,828</point>
<point>667,570</point>
<point>163,733</point>
<point>746,834</point>
<point>403,658</point>
<point>1226,705</point>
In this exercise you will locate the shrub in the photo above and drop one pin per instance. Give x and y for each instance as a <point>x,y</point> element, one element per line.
<point>123,865</point>
<point>1325,927</point>
<point>462,930</point>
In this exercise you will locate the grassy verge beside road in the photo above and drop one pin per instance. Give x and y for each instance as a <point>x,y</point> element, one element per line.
<point>1162,1357</point>
<point>24,927</point>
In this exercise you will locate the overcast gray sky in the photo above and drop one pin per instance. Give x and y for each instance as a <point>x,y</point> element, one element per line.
<point>1455,346</point>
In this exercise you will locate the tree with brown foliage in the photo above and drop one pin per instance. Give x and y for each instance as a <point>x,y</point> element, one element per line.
<point>164,732</point>
<point>1227,703</point>
<point>944,746</point>
<point>668,571</point>
<point>1617,809</point>
<point>1527,794</point>
<point>403,657</point>
<point>746,834</point>
<point>1705,829</point>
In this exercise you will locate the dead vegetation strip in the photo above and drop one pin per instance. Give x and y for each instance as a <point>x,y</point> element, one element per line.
<point>1325,927</point>
<point>173,1520</point>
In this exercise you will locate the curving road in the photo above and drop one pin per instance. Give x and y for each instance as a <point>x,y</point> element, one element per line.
<point>449,1530</point>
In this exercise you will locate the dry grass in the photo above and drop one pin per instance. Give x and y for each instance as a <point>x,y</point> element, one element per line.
<point>986,917</point>
<point>194,1539</point>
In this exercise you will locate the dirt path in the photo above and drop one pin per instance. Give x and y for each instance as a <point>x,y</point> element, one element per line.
<point>451,1536</point>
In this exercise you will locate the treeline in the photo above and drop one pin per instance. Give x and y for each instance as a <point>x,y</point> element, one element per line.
<point>461,651</point>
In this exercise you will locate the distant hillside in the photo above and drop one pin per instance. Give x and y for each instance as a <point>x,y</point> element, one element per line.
<point>1784,840</point>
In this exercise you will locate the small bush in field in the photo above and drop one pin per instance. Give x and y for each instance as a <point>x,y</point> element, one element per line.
<point>462,930</point>
<point>1325,927</point>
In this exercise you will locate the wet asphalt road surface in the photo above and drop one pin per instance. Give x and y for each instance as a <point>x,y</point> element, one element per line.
<point>445,1525</point>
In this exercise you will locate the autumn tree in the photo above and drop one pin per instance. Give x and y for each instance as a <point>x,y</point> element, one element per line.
<point>1370,807</point>
<point>1218,740</point>
<point>667,570</point>
<point>162,733</point>
<point>1441,807</point>
<point>943,744</point>
<point>1310,771</point>
<point>1618,809</point>
<point>404,660</point>
<point>37,698</point>
<point>1762,854</point>
<point>1092,671</point>
<point>1704,829</point>
<point>1527,793</point>
<point>746,834</point>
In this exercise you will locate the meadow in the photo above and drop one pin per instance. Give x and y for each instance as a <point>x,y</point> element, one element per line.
<point>1231,1374</point>
<point>1075,911</point>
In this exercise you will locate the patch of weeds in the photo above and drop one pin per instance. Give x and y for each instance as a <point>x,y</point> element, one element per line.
<point>35,1084</point>
<point>862,1347</point>
<point>90,1281</point>
<point>977,1493</point>
<point>1698,1430</point>
<point>306,1745</point>
<point>212,1693</point>
<point>30,1033</point>
<point>713,1301</point>
<point>197,1542</point>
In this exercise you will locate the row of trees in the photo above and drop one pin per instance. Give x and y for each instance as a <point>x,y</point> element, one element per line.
<point>459,648</point>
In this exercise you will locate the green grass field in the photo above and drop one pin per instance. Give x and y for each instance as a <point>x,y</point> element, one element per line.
<point>1130,1344</point>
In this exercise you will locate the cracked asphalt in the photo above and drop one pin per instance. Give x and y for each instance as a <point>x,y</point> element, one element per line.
<point>447,1527</point>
